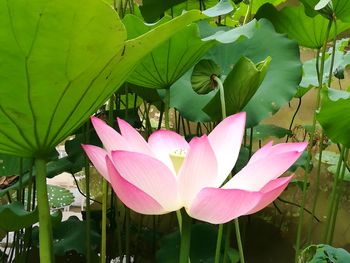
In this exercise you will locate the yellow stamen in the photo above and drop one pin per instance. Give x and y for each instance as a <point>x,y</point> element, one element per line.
<point>177,157</point>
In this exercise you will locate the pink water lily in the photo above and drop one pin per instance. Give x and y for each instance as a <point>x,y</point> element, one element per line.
<point>168,173</point>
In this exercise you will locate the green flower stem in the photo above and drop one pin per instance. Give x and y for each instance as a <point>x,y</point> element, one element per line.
<point>222,96</point>
<point>227,242</point>
<point>331,214</point>
<point>167,108</point>
<point>248,15</point>
<point>339,195</point>
<point>309,158</point>
<point>239,241</point>
<point>104,222</point>
<point>317,185</point>
<point>127,234</point>
<point>179,219</point>
<point>185,237</point>
<point>218,243</point>
<point>223,112</point>
<point>320,78</point>
<point>333,52</point>
<point>45,229</point>
<point>87,190</point>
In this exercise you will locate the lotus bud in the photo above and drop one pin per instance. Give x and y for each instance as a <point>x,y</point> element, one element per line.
<point>202,76</point>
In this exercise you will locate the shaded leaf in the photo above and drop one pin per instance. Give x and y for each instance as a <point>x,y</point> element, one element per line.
<point>11,165</point>
<point>59,197</point>
<point>182,96</point>
<point>324,254</point>
<point>240,85</point>
<point>328,157</point>
<point>14,217</point>
<point>333,170</point>
<point>335,104</point>
<point>152,10</point>
<point>203,242</point>
<point>264,131</point>
<point>71,235</point>
<point>285,67</point>
<point>16,185</point>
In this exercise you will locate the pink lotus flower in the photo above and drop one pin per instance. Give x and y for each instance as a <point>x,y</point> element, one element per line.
<point>168,173</point>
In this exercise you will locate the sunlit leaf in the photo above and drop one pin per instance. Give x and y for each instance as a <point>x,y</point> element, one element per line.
<point>55,72</point>
<point>292,20</point>
<point>340,9</point>
<point>168,62</point>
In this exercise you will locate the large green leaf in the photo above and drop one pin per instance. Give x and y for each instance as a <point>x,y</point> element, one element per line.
<point>168,62</point>
<point>152,10</point>
<point>59,197</point>
<point>242,9</point>
<point>59,61</point>
<point>12,165</point>
<point>14,217</point>
<point>240,85</point>
<point>71,235</point>
<point>334,116</point>
<point>324,254</point>
<point>337,8</point>
<point>277,89</point>
<point>203,240</point>
<point>308,31</point>
<point>341,61</point>
<point>182,96</point>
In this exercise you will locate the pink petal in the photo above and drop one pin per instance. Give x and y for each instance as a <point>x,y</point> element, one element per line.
<point>218,206</point>
<point>135,141</point>
<point>110,138</point>
<point>97,156</point>
<point>269,149</point>
<point>262,152</point>
<point>198,170</point>
<point>164,142</point>
<point>226,141</point>
<point>150,175</point>
<point>270,192</point>
<point>255,175</point>
<point>132,196</point>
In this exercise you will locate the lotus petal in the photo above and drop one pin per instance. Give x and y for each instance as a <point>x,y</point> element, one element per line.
<point>164,142</point>
<point>226,141</point>
<point>270,192</point>
<point>135,141</point>
<point>132,196</point>
<point>218,206</point>
<point>150,175</point>
<point>97,156</point>
<point>198,170</point>
<point>255,175</point>
<point>110,138</point>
